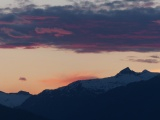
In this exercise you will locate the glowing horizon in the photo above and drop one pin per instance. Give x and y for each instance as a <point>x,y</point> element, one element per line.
<point>46,44</point>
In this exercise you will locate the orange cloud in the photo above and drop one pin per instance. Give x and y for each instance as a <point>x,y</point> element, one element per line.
<point>65,80</point>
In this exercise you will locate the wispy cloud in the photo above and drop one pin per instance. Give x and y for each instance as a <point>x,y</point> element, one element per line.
<point>58,32</point>
<point>145,60</point>
<point>155,56</point>
<point>23,3</point>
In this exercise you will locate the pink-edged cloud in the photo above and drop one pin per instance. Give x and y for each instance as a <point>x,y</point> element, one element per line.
<point>9,32</point>
<point>57,31</point>
<point>157,22</point>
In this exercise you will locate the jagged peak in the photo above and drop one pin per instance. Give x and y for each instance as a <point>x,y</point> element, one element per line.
<point>23,93</point>
<point>126,70</point>
<point>145,71</point>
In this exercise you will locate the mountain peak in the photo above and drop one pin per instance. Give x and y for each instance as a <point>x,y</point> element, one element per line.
<point>126,70</point>
<point>23,93</point>
<point>145,71</point>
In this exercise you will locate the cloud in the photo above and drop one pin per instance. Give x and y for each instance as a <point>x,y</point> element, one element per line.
<point>155,56</point>
<point>23,3</point>
<point>131,56</point>
<point>11,32</point>
<point>58,32</point>
<point>112,5</point>
<point>22,79</point>
<point>145,60</point>
<point>82,30</point>
<point>39,17</point>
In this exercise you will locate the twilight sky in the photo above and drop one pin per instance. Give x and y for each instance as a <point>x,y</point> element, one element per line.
<point>45,45</point>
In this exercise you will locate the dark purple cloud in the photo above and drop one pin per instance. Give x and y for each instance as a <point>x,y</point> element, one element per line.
<point>85,29</point>
<point>22,79</point>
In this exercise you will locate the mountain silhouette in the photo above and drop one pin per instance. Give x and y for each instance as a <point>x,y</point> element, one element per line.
<point>15,114</point>
<point>133,100</point>
<point>13,99</point>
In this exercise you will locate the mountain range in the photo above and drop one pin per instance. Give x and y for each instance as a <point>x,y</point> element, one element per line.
<point>128,95</point>
<point>97,99</point>
<point>123,78</point>
<point>13,99</point>
<point>17,114</point>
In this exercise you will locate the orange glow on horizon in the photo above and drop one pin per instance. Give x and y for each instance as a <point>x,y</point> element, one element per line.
<point>65,80</point>
<point>155,70</point>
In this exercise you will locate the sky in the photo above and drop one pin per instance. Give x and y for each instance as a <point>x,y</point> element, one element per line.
<point>49,44</point>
